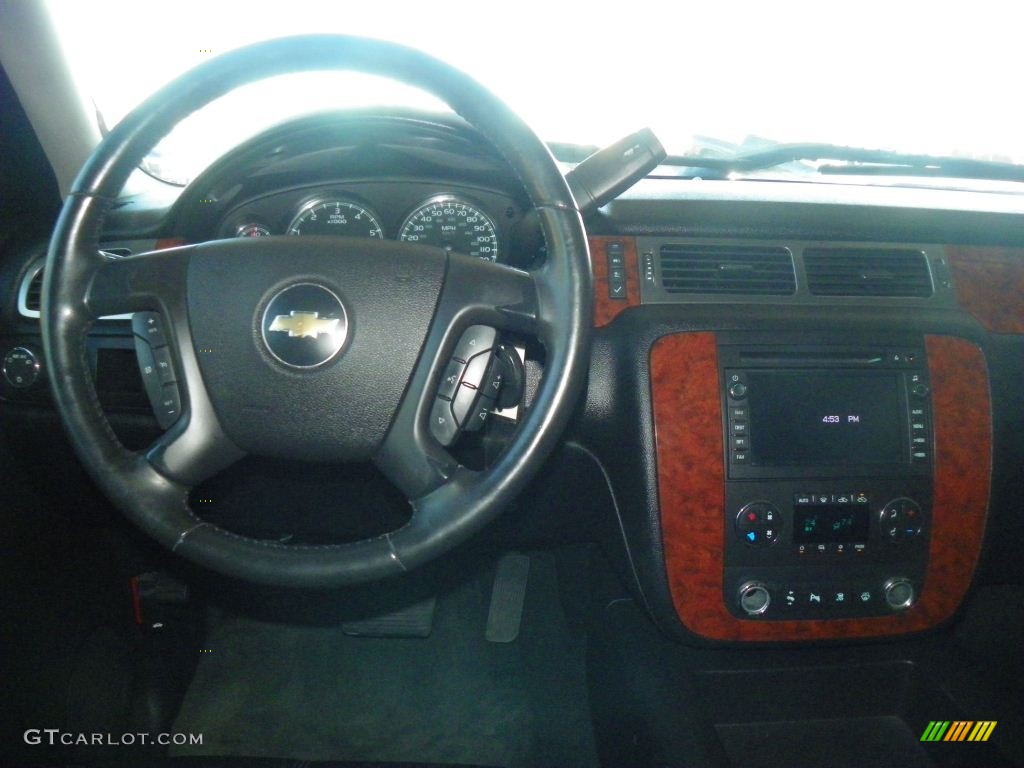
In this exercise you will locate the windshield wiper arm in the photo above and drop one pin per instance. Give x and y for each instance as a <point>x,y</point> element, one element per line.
<point>861,162</point>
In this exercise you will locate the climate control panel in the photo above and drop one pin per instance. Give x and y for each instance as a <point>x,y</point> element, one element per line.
<point>806,549</point>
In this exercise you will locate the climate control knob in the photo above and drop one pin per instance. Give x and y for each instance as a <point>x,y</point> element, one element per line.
<point>901,519</point>
<point>899,594</point>
<point>754,598</point>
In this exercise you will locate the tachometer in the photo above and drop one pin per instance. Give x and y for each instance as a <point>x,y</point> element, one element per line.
<point>454,224</point>
<point>340,218</point>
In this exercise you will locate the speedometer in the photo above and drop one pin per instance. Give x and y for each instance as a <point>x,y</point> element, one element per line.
<point>340,218</point>
<point>452,224</point>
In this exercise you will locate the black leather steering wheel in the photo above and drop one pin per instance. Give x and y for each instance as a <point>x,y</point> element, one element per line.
<point>406,306</point>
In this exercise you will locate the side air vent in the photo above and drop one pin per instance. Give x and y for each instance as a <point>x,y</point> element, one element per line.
<point>34,292</point>
<point>867,272</point>
<point>727,269</point>
<point>31,291</point>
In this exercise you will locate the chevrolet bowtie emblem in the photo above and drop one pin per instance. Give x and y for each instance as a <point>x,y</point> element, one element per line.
<point>304,324</point>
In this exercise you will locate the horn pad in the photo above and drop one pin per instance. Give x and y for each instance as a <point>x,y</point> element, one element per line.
<point>306,345</point>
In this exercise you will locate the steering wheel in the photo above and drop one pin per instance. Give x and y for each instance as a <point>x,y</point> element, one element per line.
<point>403,310</point>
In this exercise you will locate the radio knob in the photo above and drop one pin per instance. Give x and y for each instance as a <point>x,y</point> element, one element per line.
<point>737,390</point>
<point>899,594</point>
<point>754,598</point>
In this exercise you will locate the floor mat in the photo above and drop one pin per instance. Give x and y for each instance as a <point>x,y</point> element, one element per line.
<point>313,693</point>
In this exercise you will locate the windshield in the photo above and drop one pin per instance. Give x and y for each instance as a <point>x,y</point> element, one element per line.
<point>719,77</point>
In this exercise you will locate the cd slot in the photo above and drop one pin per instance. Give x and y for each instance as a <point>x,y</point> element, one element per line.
<point>778,357</point>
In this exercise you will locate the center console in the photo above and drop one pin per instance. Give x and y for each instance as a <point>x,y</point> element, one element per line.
<point>815,487</point>
<point>828,451</point>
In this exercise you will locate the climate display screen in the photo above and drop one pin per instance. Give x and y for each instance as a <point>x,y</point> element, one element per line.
<point>830,524</point>
<point>824,419</point>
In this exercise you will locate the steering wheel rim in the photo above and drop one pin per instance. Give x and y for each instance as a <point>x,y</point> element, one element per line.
<point>449,502</point>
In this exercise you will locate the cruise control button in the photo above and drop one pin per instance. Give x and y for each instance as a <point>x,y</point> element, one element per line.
<point>170,406</point>
<point>476,339</point>
<point>164,365</point>
<point>148,325</point>
<point>147,365</point>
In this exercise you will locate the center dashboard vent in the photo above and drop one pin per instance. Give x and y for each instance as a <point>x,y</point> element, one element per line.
<point>727,269</point>
<point>867,272</point>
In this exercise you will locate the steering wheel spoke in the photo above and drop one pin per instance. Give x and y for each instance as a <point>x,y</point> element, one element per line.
<point>195,446</point>
<point>449,387</point>
<point>147,281</point>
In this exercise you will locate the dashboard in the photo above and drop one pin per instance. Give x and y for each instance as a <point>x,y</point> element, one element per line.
<point>793,403</point>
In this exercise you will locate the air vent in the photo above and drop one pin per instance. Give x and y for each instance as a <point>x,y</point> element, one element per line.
<point>34,292</point>
<point>727,269</point>
<point>867,272</point>
<point>31,291</point>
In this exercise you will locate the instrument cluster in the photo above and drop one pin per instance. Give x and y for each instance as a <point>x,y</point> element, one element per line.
<point>473,221</point>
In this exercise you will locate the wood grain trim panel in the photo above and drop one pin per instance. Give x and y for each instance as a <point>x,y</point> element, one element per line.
<point>605,309</point>
<point>691,489</point>
<point>989,284</point>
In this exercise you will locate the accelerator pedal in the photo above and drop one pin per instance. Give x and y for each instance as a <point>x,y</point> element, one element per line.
<point>507,598</point>
<point>416,621</point>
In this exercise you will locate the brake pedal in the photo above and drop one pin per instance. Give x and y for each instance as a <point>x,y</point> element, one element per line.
<point>416,620</point>
<point>507,598</point>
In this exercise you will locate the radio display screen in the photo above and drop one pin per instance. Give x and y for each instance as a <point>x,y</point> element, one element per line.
<point>809,418</point>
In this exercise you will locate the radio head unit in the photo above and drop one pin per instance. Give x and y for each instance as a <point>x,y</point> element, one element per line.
<point>807,413</point>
